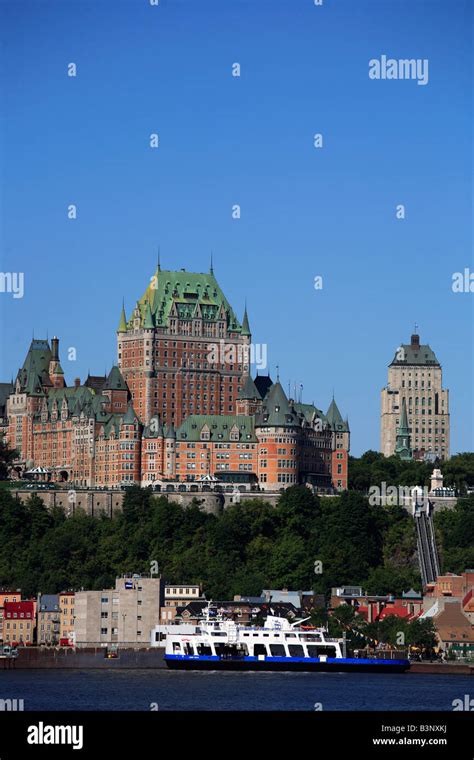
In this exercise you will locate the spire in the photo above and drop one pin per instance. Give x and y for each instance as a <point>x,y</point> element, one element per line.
<point>245,322</point>
<point>404,418</point>
<point>402,446</point>
<point>211,268</point>
<point>148,323</point>
<point>158,262</point>
<point>130,417</point>
<point>123,320</point>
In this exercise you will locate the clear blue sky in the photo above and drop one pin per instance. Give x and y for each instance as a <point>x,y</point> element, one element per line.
<point>247,140</point>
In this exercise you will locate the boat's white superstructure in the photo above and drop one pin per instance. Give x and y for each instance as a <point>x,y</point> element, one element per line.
<point>278,638</point>
<point>279,645</point>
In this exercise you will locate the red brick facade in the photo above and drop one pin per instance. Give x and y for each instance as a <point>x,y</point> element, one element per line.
<point>180,406</point>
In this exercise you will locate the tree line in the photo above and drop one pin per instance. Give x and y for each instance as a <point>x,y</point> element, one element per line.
<point>303,543</point>
<point>373,468</point>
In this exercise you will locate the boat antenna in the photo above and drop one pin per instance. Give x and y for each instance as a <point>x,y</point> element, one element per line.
<point>298,622</point>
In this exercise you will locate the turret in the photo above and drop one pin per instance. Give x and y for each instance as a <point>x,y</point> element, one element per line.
<point>55,371</point>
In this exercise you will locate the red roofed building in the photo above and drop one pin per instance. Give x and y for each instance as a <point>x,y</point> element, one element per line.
<point>372,607</point>
<point>19,622</point>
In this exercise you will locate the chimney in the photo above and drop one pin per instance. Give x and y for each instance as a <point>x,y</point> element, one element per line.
<point>415,341</point>
<point>55,349</point>
<point>77,382</point>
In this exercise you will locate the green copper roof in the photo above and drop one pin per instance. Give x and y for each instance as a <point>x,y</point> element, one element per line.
<point>123,321</point>
<point>169,431</point>
<point>310,413</point>
<point>115,381</point>
<point>404,429</point>
<point>219,427</point>
<point>414,354</point>
<point>6,389</point>
<point>77,400</point>
<point>276,411</point>
<point>130,417</point>
<point>337,424</point>
<point>245,324</point>
<point>185,295</point>
<point>148,322</point>
<point>112,425</point>
<point>402,447</point>
<point>249,389</point>
<point>34,373</point>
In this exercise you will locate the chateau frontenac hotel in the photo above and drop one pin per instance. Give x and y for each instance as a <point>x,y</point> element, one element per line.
<point>180,405</point>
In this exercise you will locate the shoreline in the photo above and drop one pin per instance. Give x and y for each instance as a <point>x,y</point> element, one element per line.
<point>153,659</point>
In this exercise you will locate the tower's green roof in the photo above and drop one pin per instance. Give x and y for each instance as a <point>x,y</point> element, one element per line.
<point>169,431</point>
<point>415,354</point>
<point>115,381</point>
<point>310,412</point>
<point>130,418</point>
<point>186,295</point>
<point>334,418</point>
<point>33,375</point>
<point>276,411</point>
<point>249,389</point>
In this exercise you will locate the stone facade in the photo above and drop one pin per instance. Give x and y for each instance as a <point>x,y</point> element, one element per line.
<point>415,378</point>
<point>124,615</point>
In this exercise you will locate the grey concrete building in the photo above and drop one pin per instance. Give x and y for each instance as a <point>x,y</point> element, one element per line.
<point>122,616</point>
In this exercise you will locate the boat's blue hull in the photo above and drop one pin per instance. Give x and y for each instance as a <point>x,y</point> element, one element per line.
<point>282,664</point>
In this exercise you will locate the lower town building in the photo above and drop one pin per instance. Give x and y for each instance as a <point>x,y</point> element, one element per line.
<point>122,616</point>
<point>454,630</point>
<point>19,625</point>
<point>178,595</point>
<point>7,596</point>
<point>374,607</point>
<point>449,602</point>
<point>451,586</point>
<point>66,616</point>
<point>48,619</point>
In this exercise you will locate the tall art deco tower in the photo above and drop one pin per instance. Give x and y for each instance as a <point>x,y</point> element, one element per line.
<point>414,400</point>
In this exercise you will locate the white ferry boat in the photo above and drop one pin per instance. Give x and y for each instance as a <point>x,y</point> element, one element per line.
<point>279,645</point>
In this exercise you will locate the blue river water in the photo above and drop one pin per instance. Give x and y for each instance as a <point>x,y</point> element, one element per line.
<point>166,690</point>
